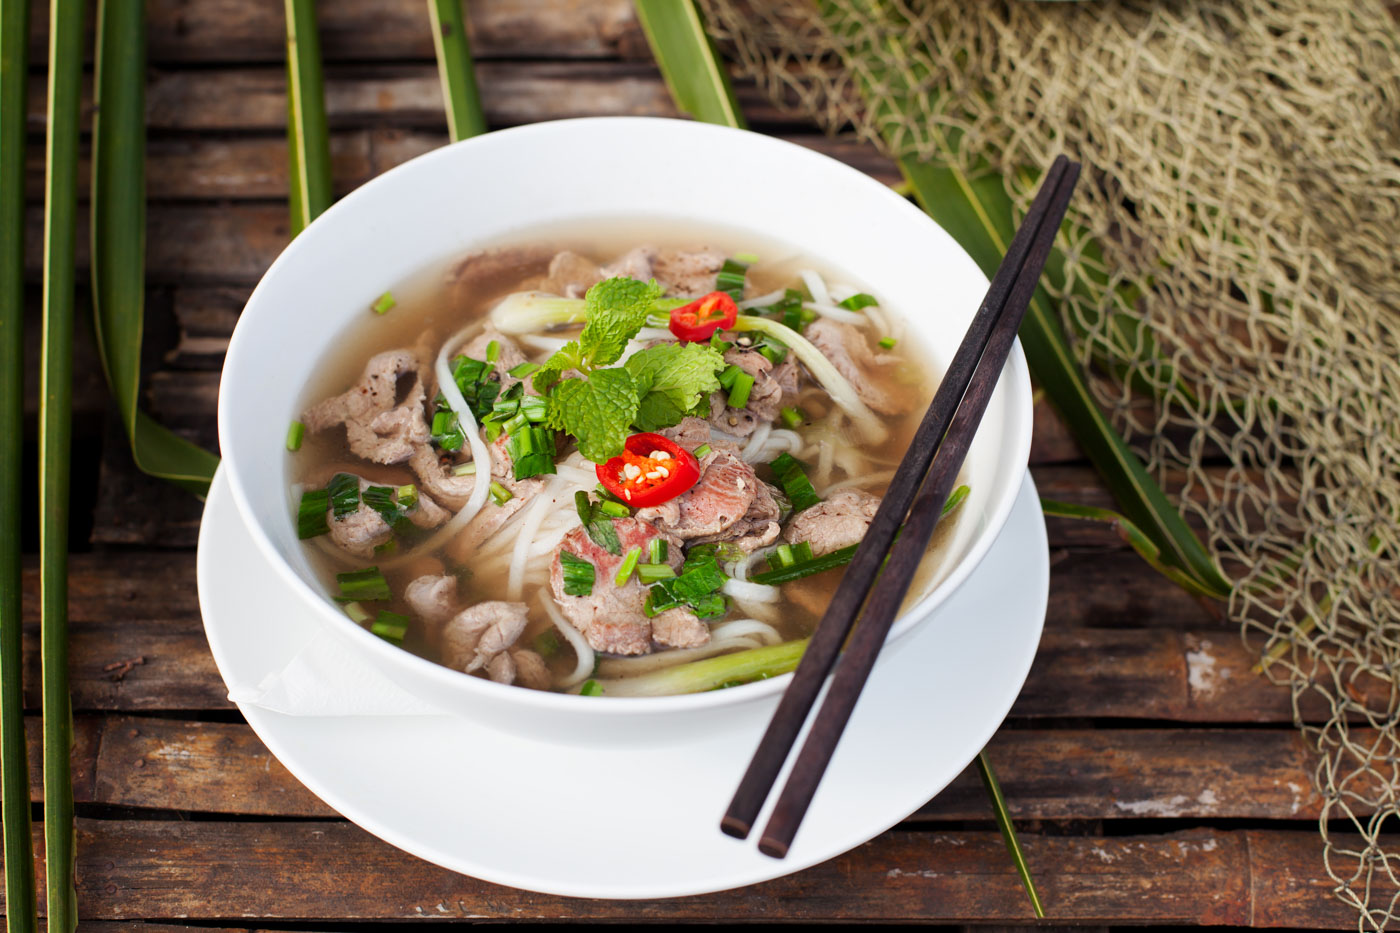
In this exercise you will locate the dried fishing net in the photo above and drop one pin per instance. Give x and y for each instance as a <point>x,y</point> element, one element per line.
<point>1232,289</point>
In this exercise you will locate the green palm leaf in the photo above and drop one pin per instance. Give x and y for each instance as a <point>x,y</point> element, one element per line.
<point>308,142</point>
<point>459,94</point>
<point>20,906</point>
<point>119,243</point>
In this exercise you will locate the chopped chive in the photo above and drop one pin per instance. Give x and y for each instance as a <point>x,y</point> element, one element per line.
<point>792,417</point>
<point>857,301</point>
<point>739,393</point>
<point>295,432</point>
<point>535,408</point>
<point>584,506</point>
<point>446,431</point>
<point>794,481</point>
<point>747,259</point>
<point>629,563</point>
<point>311,513</point>
<point>782,557</point>
<point>407,496</point>
<point>774,351</point>
<point>802,550</point>
<point>521,370</point>
<point>493,350</point>
<point>465,469</point>
<point>730,278</point>
<point>356,612</point>
<point>590,688</point>
<point>390,626</point>
<point>500,494</point>
<point>531,449</point>
<point>384,303</point>
<point>368,583</point>
<point>657,550</point>
<point>546,643</point>
<point>888,342</point>
<point>650,573</point>
<point>493,431</point>
<point>614,509</point>
<point>727,377</point>
<point>515,424</point>
<point>344,489</point>
<point>702,450</point>
<point>579,575</point>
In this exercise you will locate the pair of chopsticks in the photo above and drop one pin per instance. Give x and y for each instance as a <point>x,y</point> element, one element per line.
<point>910,510</point>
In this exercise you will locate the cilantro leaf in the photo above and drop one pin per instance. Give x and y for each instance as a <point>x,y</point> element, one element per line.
<point>672,379</point>
<point>617,308</point>
<point>598,411</point>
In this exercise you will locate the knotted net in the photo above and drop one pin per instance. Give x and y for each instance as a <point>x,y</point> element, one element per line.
<point>1232,291</point>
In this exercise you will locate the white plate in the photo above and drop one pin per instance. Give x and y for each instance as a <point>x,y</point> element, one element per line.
<point>633,822</point>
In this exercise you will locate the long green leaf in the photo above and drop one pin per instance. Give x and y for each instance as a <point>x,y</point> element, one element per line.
<point>308,143</point>
<point>693,72</point>
<point>1008,831</point>
<point>464,115</point>
<point>20,901</point>
<point>677,36</point>
<point>119,242</point>
<point>55,446</point>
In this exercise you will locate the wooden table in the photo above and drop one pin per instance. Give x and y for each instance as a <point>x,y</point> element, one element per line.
<point>1155,779</point>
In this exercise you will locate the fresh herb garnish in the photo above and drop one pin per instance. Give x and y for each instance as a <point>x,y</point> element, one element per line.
<point>473,378</point>
<point>698,586</point>
<point>311,513</point>
<point>344,490</point>
<point>446,430</point>
<point>794,481</point>
<point>579,575</point>
<point>366,584</point>
<point>857,301</point>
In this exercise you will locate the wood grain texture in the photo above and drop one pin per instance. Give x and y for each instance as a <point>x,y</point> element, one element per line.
<point>1063,774</point>
<point>166,870</point>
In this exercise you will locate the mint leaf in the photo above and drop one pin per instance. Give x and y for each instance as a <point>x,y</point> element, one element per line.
<point>566,357</point>
<point>672,379</point>
<point>617,308</point>
<point>597,411</point>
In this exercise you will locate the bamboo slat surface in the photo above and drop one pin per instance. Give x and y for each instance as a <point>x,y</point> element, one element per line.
<point>1156,779</point>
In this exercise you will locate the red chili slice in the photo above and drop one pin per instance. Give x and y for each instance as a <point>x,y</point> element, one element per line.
<point>653,480</point>
<point>697,321</point>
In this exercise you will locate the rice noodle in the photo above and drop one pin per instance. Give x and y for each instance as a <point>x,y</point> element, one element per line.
<point>751,592</point>
<point>763,301</point>
<point>583,651</point>
<point>862,479</point>
<point>756,442</point>
<point>547,344</point>
<point>824,460</point>
<point>816,286</point>
<point>837,314</point>
<point>534,513</point>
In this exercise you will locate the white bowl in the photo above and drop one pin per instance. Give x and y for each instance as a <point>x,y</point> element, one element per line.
<point>477,191</point>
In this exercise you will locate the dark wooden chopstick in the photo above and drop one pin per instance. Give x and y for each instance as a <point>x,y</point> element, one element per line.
<point>836,623</point>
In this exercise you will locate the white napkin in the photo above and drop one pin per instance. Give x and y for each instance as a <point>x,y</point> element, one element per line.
<point>327,678</point>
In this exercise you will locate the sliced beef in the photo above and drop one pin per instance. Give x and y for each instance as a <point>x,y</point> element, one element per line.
<point>694,432</point>
<point>364,529</point>
<point>635,264</point>
<point>611,618</point>
<point>432,597</point>
<point>689,272</point>
<point>758,528</point>
<point>377,427</point>
<point>530,669</point>
<point>845,346</point>
<point>771,387</point>
<point>475,637</point>
<point>489,274</point>
<point>679,628</point>
<point>838,521</point>
<point>712,506</point>
<point>572,275</point>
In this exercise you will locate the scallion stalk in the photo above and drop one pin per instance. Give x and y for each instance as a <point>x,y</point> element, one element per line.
<point>366,584</point>
<point>20,902</point>
<point>629,563</point>
<point>657,549</point>
<point>739,391</point>
<point>407,496</point>
<point>614,509</point>
<point>579,574</point>
<point>888,342</point>
<point>493,350</point>
<point>356,612</point>
<point>702,450</point>
<point>344,490</point>
<point>390,626</point>
<point>794,481</point>
<point>857,301</point>
<point>465,469</point>
<point>311,513</point>
<point>792,417</point>
<point>295,432</point>
<point>651,573</point>
<point>384,303</point>
<point>522,370</point>
<point>711,673</point>
<point>500,494</point>
<point>590,688</point>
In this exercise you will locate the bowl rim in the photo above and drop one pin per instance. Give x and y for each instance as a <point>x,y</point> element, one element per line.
<point>1014,379</point>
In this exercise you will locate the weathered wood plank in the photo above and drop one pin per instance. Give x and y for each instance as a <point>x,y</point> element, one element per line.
<point>409,95</point>
<point>1047,775</point>
<point>160,870</point>
<point>392,30</point>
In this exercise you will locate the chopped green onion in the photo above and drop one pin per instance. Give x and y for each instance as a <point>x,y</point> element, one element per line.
<point>535,408</point>
<point>730,278</point>
<point>702,450</point>
<point>747,259</point>
<point>344,489</point>
<point>479,390</point>
<point>493,350</point>
<point>782,557</point>
<point>311,513</point>
<point>368,583</point>
<point>521,370</point>
<point>531,449</point>
<point>657,550</point>
<point>515,424</point>
<point>739,393</point>
<point>493,430</point>
<point>857,301</point>
<point>407,496</point>
<point>604,535</point>
<point>792,417</point>
<point>802,550</point>
<point>584,506</point>
<point>775,352</point>
<point>465,469</point>
<point>446,431</point>
<point>357,612</point>
<point>579,575</point>
<point>710,607</point>
<point>384,500</point>
<point>888,342</point>
<point>390,626</point>
<point>794,481</point>
<point>727,377</point>
<point>295,432</point>
<point>547,643</point>
<point>388,547</point>
<point>651,573</point>
<point>590,688</point>
<point>605,494</point>
<point>384,303</point>
<point>629,563</point>
<point>613,509</point>
<point>500,494</point>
